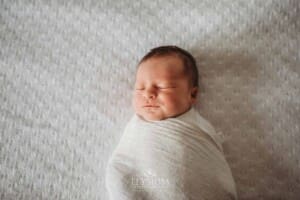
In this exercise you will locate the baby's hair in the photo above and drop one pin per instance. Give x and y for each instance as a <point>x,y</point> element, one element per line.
<point>188,60</point>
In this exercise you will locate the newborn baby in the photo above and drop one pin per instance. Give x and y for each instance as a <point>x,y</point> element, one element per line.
<point>168,151</point>
<point>166,84</point>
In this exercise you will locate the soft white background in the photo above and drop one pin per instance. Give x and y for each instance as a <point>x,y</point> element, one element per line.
<point>67,69</point>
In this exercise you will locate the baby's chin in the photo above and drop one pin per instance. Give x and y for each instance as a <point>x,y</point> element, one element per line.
<point>155,116</point>
<point>151,116</point>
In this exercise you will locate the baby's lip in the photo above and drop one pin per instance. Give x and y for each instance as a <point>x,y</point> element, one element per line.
<point>150,106</point>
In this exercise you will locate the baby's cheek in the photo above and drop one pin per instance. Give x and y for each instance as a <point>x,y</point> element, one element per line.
<point>138,100</point>
<point>171,101</point>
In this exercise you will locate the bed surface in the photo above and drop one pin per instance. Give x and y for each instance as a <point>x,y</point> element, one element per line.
<point>67,70</point>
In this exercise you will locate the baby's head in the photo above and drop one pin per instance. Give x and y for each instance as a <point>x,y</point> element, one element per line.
<point>166,83</point>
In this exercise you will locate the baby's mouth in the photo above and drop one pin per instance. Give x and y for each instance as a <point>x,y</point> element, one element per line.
<point>150,106</point>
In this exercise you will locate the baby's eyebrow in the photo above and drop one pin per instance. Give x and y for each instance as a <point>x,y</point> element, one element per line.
<point>168,82</point>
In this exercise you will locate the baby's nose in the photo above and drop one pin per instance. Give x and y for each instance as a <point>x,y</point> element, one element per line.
<point>150,93</point>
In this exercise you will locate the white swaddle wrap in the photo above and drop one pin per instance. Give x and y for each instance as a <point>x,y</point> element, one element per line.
<point>173,159</point>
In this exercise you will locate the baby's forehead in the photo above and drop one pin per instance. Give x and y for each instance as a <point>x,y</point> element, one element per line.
<point>165,64</point>
<point>157,74</point>
<point>162,78</point>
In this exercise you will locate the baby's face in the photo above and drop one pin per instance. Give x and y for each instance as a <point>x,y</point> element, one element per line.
<point>162,89</point>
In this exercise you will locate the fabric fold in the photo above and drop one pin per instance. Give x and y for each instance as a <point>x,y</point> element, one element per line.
<point>175,158</point>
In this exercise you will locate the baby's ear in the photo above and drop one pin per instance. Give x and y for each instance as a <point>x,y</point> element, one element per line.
<point>194,93</point>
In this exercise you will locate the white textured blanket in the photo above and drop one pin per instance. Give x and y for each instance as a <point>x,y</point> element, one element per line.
<point>67,70</point>
<point>177,158</point>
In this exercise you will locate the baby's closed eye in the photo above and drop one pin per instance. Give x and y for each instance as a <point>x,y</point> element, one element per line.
<point>139,88</point>
<point>166,87</point>
<point>159,87</point>
<point>156,87</point>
